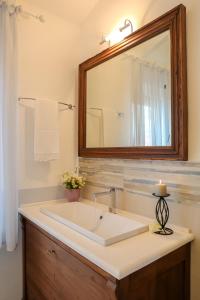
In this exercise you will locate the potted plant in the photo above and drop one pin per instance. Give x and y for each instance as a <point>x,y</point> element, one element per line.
<point>73,184</point>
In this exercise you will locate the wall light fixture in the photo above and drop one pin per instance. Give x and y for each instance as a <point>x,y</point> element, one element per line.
<point>118,34</point>
<point>127,23</point>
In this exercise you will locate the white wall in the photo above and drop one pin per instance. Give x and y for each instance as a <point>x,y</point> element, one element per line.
<point>47,64</point>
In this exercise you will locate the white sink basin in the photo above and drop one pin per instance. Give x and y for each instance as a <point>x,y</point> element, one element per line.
<point>102,227</point>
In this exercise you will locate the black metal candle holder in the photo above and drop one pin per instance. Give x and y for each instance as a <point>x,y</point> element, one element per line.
<point>162,215</point>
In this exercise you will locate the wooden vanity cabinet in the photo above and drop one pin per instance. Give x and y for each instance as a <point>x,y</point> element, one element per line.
<point>53,271</point>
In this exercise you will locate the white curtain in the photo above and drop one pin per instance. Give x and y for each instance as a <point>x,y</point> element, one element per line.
<point>151,105</point>
<point>8,148</point>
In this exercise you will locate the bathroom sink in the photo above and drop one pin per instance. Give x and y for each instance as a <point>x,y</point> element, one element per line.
<point>100,226</point>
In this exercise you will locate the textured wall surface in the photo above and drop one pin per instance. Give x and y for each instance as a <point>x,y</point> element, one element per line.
<point>139,177</point>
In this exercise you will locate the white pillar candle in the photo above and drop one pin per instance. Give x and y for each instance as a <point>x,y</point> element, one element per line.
<point>161,189</point>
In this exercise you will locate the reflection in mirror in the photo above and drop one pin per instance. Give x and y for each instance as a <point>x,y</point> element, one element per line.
<point>129,97</point>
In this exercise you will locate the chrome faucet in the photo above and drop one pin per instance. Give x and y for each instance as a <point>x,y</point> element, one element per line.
<point>112,203</point>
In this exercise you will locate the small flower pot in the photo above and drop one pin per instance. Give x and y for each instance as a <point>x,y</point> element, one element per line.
<point>72,195</point>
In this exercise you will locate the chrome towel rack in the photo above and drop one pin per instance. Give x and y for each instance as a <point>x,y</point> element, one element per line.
<point>69,106</point>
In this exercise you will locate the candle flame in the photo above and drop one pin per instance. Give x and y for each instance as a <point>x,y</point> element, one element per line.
<point>160,181</point>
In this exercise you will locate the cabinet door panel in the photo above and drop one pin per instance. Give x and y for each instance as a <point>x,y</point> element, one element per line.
<point>171,284</point>
<point>40,264</point>
<point>75,280</point>
<point>40,290</point>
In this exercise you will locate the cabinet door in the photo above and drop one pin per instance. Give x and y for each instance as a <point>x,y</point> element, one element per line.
<point>42,292</point>
<point>164,279</point>
<point>76,281</point>
<point>40,265</point>
<point>170,285</point>
<point>139,287</point>
<point>52,273</point>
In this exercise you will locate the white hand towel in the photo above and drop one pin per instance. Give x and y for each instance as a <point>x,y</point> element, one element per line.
<point>46,135</point>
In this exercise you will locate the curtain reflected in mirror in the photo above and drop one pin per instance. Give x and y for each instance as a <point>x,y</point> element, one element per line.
<point>151,105</point>
<point>129,97</point>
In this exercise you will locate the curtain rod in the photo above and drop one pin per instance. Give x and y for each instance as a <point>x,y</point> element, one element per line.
<point>69,106</point>
<point>19,9</point>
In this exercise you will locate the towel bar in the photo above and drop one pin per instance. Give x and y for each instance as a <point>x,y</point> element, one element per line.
<point>69,106</point>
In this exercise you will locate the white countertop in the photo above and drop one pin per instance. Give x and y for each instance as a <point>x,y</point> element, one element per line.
<point>120,259</point>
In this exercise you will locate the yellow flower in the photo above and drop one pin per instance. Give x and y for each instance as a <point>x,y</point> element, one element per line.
<point>72,181</point>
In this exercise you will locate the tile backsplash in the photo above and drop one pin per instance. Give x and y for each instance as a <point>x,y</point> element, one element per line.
<point>139,177</point>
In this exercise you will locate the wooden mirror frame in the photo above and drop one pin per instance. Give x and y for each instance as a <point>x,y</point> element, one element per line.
<point>175,22</point>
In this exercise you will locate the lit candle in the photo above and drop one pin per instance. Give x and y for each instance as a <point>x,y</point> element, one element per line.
<point>161,189</point>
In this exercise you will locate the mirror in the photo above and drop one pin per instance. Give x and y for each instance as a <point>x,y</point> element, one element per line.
<point>129,97</point>
<point>133,96</point>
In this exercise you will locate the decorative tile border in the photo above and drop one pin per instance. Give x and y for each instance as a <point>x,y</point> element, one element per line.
<point>139,177</point>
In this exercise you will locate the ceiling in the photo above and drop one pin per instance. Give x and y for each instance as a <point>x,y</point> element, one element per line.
<point>72,10</point>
